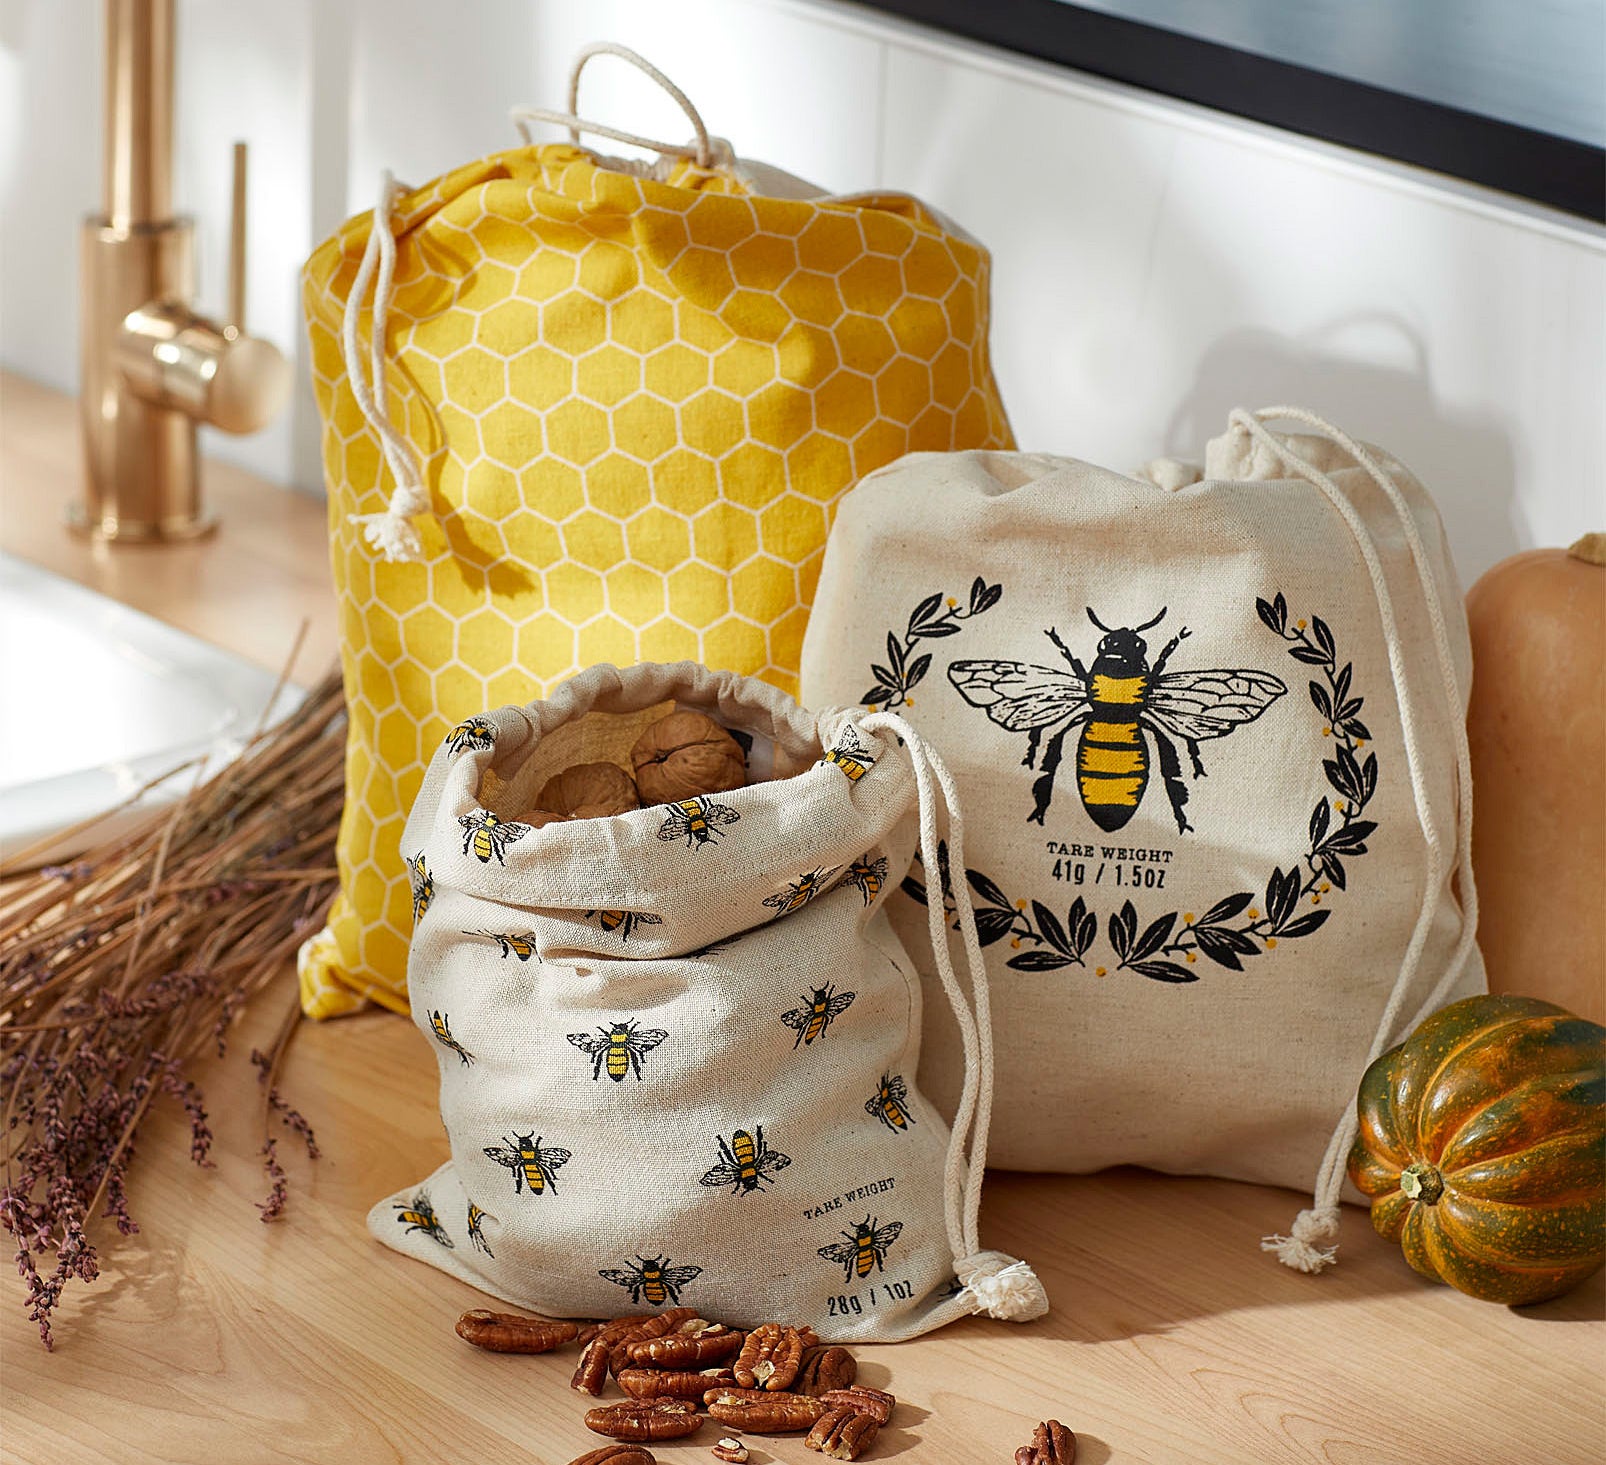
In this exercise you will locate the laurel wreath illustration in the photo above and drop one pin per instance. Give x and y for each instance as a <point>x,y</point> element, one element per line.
<point>935,617</point>
<point>1240,926</point>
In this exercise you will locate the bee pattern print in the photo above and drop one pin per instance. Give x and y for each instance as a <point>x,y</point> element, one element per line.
<point>419,1215</point>
<point>698,821</point>
<point>867,876</point>
<point>472,732</point>
<point>1121,703</point>
<point>512,943</point>
<point>746,1163</point>
<point>799,892</point>
<point>422,883</point>
<point>652,1279</point>
<point>487,835</point>
<point>440,1025</point>
<point>618,1047</point>
<point>890,1103</point>
<point>531,1165</point>
<point>864,1248</point>
<point>849,755</point>
<point>476,1229</point>
<point>814,1018</point>
<point>624,922</point>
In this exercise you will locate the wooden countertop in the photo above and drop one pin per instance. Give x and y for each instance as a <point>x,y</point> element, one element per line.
<point>213,1338</point>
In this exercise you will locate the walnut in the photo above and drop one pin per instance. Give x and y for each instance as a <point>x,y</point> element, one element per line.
<point>586,791</point>
<point>684,755</point>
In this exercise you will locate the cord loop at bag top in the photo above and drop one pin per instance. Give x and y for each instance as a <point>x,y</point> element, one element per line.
<point>1303,1248</point>
<point>998,1284</point>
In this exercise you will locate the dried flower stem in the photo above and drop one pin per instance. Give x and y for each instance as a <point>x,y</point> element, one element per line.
<point>119,970</point>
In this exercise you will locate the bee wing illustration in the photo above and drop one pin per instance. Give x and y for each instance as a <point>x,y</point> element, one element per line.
<point>1017,695</point>
<point>874,1106</point>
<point>587,1042</point>
<point>839,1004</point>
<point>721,814</point>
<point>645,1042</point>
<point>556,1159</point>
<point>470,821</point>
<point>722,1174</point>
<point>797,1017</point>
<point>885,1235</point>
<point>503,1156</point>
<point>1196,705</point>
<point>771,1161</point>
<point>840,1252</point>
<point>623,1279</point>
<point>680,1276</point>
<point>897,1089</point>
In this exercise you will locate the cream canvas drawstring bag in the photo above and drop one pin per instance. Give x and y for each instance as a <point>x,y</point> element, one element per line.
<point>1215,726</point>
<point>678,1046</point>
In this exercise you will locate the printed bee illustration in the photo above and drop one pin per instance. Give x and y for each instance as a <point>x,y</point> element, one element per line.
<point>1116,703</point>
<point>419,1215</point>
<point>531,1165</point>
<point>867,876</point>
<point>746,1163</point>
<point>619,1047</point>
<point>850,755</point>
<point>865,1248</point>
<point>423,884</point>
<point>513,943</point>
<point>487,835</point>
<point>697,821</point>
<point>891,1102</point>
<point>624,922</point>
<point>817,1013</point>
<point>476,1229</point>
<point>443,1033</point>
<point>799,893</point>
<point>472,732</point>
<point>652,1278</point>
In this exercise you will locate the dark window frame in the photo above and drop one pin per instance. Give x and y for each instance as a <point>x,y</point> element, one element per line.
<point>1558,172</point>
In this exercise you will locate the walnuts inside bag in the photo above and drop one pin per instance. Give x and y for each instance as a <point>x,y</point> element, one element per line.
<point>678,1045</point>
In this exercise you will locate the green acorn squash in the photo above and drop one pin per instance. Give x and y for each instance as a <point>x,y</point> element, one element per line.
<point>1482,1147</point>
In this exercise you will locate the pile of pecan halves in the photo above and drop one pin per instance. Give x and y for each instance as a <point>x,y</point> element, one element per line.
<point>674,1365</point>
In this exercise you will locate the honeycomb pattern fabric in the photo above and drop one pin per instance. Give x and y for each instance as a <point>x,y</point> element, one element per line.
<point>637,399</point>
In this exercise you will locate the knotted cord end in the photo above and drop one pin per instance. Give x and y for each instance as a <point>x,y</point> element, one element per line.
<point>392,532</point>
<point>1301,1249</point>
<point>1002,1287</point>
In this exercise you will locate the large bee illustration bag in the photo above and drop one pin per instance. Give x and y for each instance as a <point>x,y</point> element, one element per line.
<point>579,409</point>
<point>1213,725</point>
<point>678,1046</point>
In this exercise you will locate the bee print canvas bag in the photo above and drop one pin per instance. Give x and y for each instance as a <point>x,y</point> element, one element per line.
<point>677,1047</point>
<point>1210,727</point>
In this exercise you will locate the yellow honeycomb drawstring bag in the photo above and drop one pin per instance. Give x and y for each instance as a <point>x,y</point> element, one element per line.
<point>582,410</point>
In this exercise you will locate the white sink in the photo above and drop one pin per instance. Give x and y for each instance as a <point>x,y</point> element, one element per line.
<point>96,700</point>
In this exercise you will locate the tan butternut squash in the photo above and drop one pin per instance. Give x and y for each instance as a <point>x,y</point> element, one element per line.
<point>1537,726</point>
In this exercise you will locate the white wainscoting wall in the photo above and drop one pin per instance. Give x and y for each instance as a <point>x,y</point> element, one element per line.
<point>1155,264</point>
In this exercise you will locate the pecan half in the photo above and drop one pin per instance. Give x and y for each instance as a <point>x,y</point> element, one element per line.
<point>591,1373</point>
<point>824,1369</point>
<point>506,1332</point>
<point>732,1450</point>
<point>617,1455</point>
<point>862,1399</point>
<point>693,1343</point>
<point>759,1411</point>
<point>645,1420</point>
<point>643,1331</point>
<point>843,1434</point>
<point>652,1383</point>
<point>1052,1444</point>
<point>772,1355</point>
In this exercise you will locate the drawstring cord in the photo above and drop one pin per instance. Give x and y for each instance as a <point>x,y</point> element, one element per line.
<point>996,1283</point>
<point>1303,1248</point>
<point>392,531</point>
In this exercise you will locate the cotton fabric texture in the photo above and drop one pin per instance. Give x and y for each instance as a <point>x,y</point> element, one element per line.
<point>632,396</point>
<point>1209,729</point>
<point>677,1046</point>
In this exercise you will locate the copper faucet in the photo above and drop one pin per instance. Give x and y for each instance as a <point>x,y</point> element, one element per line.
<point>151,368</point>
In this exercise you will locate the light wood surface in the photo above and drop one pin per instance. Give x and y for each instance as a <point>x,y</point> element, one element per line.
<point>213,1338</point>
